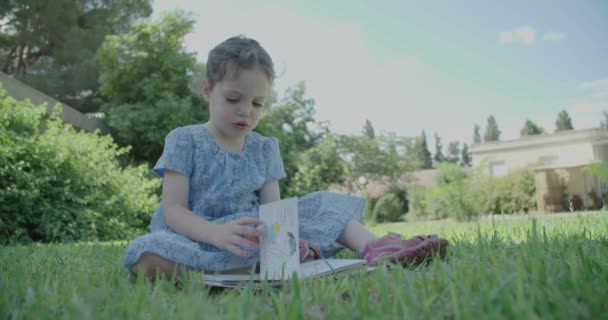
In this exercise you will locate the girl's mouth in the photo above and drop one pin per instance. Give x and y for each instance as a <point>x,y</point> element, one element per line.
<point>241,125</point>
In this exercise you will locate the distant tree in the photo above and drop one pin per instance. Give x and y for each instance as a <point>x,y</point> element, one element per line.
<point>466,160</point>
<point>384,159</point>
<point>422,151</point>
<point>453,152</point>
<point>368,129</point>
<point>492,132</point>
<point>438,157</point>
<point>563,122</point>
<point>292,121</point>
<point>530,128</point>
<point>51,45</point>
<point>318,168</point>
<point>476,134</point>
<point>604,124</point>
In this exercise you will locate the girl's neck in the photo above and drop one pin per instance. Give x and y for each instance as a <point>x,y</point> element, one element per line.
<point>232,144</point>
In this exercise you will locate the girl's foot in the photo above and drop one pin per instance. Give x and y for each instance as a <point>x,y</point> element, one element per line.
<point>309,252</point>
<point>406,252</point>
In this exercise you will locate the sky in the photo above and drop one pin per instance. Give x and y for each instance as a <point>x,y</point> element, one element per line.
<point>437,66</point>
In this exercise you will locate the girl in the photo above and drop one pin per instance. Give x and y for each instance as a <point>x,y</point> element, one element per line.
<point>215,176</point>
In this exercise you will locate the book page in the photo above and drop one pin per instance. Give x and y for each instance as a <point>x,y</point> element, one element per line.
<point>279,250</point>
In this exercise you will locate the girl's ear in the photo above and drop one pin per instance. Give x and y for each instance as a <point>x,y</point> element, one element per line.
<point>206,90</point>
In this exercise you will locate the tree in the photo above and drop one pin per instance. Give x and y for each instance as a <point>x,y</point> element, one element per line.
<point>318,168</point>
<point>476,134</point>
<point>368,129</point>
<point>563,122</point>
<point>453,152</point>
<point>604,124</point>
<point>144,84</point>
<point>466,160</point>
<point>292,122</point>
<point>57,55</point>
<point>422,151</point>
<point>530,128</point>
<point>438,157</point>
<point>492,132</point>
<point>384,160</point>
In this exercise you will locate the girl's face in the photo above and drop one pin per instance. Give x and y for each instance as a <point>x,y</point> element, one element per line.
<point>235,105</point>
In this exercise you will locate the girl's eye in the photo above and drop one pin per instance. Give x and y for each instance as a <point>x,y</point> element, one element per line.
<point>232,100</point>
<point>257,105</point>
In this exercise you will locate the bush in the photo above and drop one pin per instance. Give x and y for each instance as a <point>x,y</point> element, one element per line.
<point>464,196</point>
<point>416,197</point>
<point>388,208</point>
<point>57,184</point>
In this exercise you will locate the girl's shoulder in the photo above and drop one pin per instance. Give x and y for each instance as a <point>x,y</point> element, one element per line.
<point>257,140</point>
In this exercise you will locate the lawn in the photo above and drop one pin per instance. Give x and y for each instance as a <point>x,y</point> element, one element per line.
<point>552,267</point>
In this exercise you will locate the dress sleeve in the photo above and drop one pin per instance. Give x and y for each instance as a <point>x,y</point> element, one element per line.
<point>274,162</point>
<point>177,153</point>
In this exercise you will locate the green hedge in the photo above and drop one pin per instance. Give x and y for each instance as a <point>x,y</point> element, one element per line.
<point>465,195</point>
<point>57,184</point>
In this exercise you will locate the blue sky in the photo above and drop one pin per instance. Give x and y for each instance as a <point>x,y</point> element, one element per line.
<point>441,66</point>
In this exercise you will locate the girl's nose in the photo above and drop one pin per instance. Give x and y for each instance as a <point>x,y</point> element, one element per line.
<point>243,109</point>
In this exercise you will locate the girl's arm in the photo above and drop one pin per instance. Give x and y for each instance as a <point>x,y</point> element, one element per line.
<point>176,188</point>
<point>229,236</point>
<point>270,192</point>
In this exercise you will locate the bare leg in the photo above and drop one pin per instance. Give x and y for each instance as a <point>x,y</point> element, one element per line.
<point>151,264</point>
<point>355,236</point>
<point>154,265</point>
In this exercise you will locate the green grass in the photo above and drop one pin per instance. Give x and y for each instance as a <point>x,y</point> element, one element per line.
<point>552,267</point>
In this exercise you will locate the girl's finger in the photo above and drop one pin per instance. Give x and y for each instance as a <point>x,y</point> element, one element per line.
<point>249,231</point>
<point>242,242</point>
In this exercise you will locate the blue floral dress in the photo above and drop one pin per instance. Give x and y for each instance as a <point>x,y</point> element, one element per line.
<point>224,187</point>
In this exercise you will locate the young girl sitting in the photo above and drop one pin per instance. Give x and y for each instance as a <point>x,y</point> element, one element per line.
<point>215,176</point>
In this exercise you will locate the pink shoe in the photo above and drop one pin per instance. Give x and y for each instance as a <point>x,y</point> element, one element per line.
<point>309,252</point>
<point>396,250</point>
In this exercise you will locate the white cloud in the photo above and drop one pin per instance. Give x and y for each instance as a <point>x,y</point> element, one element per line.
<point>554,36</point>
<point>523,34</point>
<point>601,85</point>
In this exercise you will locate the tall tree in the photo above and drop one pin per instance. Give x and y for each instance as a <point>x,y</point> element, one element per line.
<point>476,134</point>
<point>51,45</point>
<point>422,151</point>
<point>563,122</point>
<point>492,132</point>
<point>466,159</point>
<point>291,120</point>
<point>438,156</point>
<point>368,129</point>
<point>383,160</point>
<point>453,152</point>
<point>604,124</point>
<point>145,76</point>
<point>318,168</point>
<point>530,128</point>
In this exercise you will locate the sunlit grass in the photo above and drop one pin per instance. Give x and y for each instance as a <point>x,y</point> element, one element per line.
<point>546,267</point>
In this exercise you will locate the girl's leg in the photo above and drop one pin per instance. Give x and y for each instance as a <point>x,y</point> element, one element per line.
<point>151,264</point>
<point>355,236</point>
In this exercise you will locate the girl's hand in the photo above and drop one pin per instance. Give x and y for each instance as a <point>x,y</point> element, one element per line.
<point>238,233</point>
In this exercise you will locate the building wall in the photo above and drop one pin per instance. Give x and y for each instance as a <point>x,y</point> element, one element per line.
<point>558,160</point>
<point>21,91</point>
<point>566,154</point>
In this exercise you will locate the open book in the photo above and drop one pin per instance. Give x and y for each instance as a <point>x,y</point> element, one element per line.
<point>279,252</point>
<point>311,269</point>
